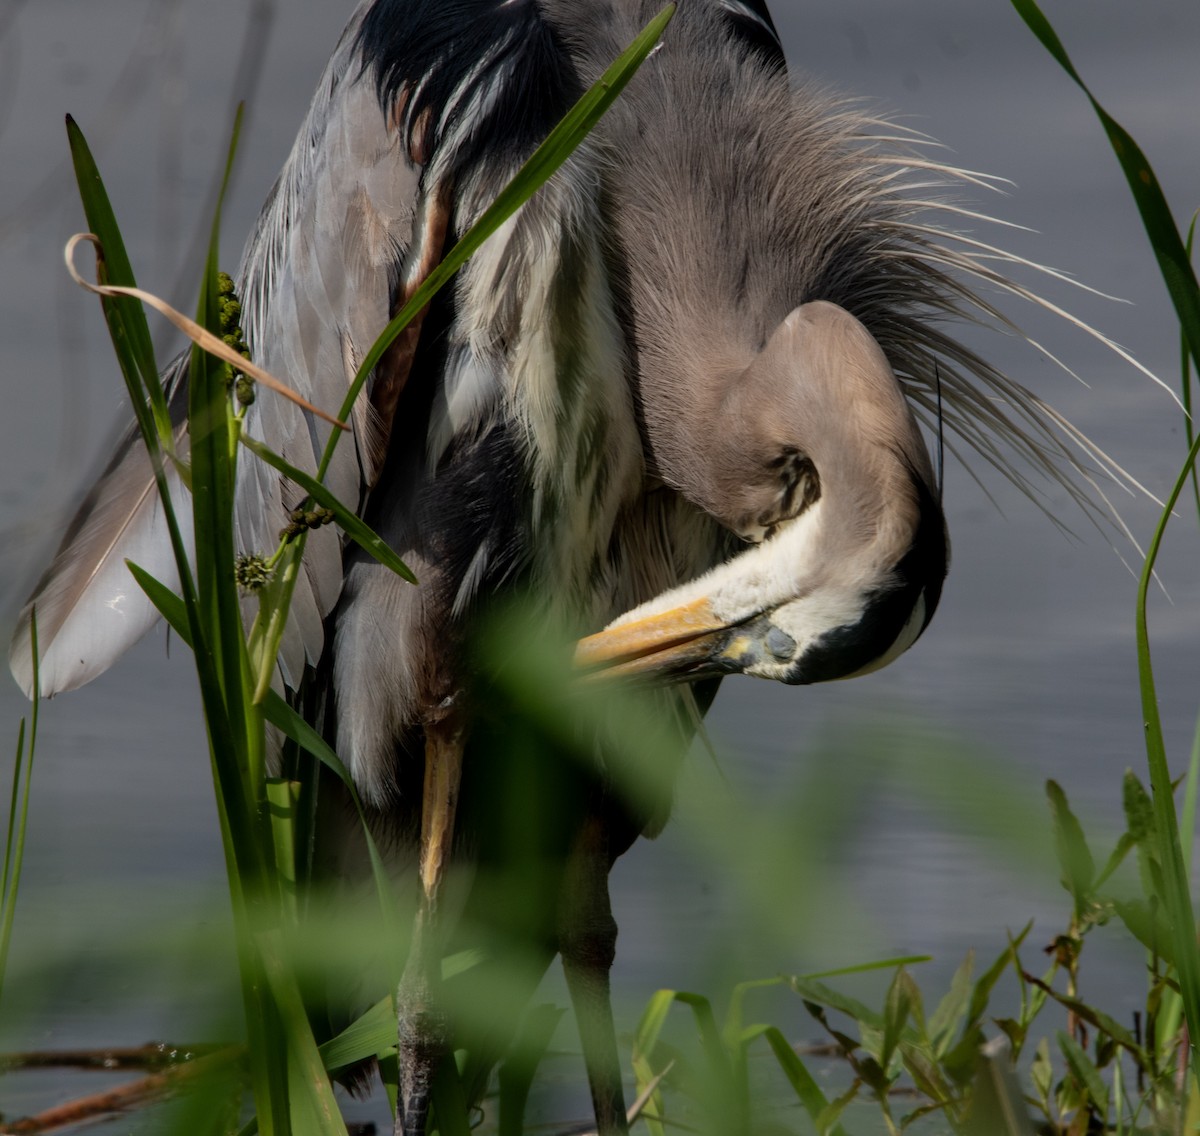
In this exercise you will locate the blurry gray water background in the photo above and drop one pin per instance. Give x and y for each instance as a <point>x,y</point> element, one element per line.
<point>1028,671</point>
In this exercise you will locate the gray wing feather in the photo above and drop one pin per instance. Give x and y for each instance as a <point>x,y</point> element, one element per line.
<point>316,282</point>
<point>89,608</point>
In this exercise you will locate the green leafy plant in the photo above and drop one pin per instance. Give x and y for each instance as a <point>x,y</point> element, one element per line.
<point>1161,848</point>
<point>1081,1069</point>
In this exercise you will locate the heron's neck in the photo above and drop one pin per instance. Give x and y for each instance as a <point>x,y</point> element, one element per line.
<point>728,427</point>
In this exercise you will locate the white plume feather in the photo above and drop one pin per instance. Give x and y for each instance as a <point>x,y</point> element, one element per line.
<point>90,610</point>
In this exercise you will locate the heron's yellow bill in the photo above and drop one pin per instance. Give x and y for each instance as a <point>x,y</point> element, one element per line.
<point>671,643</point>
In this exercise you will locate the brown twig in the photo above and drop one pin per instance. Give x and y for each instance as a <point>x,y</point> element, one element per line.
<point>133,1094</point>
<point>200,336</point>
<point>154,1055</point>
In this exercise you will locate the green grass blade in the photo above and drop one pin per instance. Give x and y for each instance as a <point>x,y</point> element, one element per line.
<point>1146,923</point>
<point>283,798</point>
<point>710,1036</point>
<point>823,995</point>
<point>560,143</point>
<point>653,1019</point>
<point>210,430</point>
<point>131,343</point>
<point>1095,1018</point>
<point>1187,815</point>
<point>1186,371</point>
<point>18,822</point>
<point>131,340</point>
<point>1087,1074</point>
<point>901,1003</point>
<point>349,521</point>
<point>451,1114</point>
<point>645,1038</point>
<point>274,603</point>
<point>982,991</point>
<point>1176,898</point>
<point>517,1073</point>
<point>222,666</point>
<point>18,813</point>
<point>311,1102</point>
<point>125,317</point>
<point>952,1010</point>
<point>867,967</point>
<point>285,719</point>
<point>807,1091</point>
<point>369,1035</point>
<point>721,1082</point>
<point>996,1102</point>
<point>1075,859</point>
<point>735,1014</point>
<point>1156,216</point>
<point>14,810</point>
<point>214,618</point>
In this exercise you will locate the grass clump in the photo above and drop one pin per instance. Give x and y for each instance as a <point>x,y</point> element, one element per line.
<point>973,1059</point>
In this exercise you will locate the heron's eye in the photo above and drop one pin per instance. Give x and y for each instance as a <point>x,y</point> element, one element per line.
<point>756,534</point>
<point>782,487</point>
<point>797,485</point>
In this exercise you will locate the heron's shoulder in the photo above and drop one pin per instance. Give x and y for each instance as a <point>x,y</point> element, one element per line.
<point>750,25</point>
<point>597,30</point>
<point>462,78</point>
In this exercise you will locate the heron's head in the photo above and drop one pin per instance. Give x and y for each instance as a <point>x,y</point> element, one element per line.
<point>812,454</point>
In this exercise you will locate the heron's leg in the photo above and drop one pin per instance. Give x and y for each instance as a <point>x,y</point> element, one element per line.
<point>421,1029</point>
<point>423,1034</point>
<point>587,939</point>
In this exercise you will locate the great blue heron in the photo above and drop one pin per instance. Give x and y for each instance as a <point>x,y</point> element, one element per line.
<point>716,327</point>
